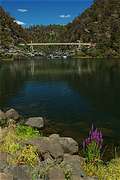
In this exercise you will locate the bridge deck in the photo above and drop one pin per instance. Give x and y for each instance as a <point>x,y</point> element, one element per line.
<point>56,44</point>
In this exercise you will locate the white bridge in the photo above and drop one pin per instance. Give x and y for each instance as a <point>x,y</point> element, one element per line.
<point>56,44</point>
<point>78,44</point>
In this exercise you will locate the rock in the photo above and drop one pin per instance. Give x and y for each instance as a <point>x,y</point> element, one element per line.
<point>12,114</point>
<point>45,145</point>
<point>19,172</point>
<point>3,132</point>
<point>74,162</point>
<point>47,156</point>
<point>0,133</point>
<point>4,176</point>
<point>36,122</point>
<point>69,145</point>
<point>2,115</point>
<point>4,160</point>
<point>4,156</point>
<point>56,174</point>
<point>55,136</point>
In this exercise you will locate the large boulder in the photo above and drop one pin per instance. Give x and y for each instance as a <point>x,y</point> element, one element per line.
<point>47,145</point>
<point>19,172</point>
<point>74,162</point>
<point>56,174</point>
<point>69,145</point>
<point>12,114</point>
<point>36,122</point>
<point>4,176</point>
<point>77,173</point>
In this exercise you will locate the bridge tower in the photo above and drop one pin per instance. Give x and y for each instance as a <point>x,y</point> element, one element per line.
<point>31,47</point>
<point>79,45</point>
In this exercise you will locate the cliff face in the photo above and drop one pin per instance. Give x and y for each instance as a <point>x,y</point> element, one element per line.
<point>10,32</point>
<point>100,24</point>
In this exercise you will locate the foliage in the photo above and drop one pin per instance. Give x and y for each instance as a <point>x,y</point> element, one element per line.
<point>111,171</point>
<point>27,155</point>
<point>10,32</point>
<point>10,144</point>
<point>24,132</point>
<point>50,33</point>
<point>42,170</point>
<point>92,145</point>
<point>98,24</point>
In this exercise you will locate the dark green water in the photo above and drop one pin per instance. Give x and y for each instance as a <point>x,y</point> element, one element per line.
<point>70,94</point>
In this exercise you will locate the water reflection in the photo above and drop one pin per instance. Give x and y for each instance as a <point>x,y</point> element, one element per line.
<point>70,94</point>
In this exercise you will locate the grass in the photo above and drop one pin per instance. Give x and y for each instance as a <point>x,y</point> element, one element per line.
<point>109,171</point>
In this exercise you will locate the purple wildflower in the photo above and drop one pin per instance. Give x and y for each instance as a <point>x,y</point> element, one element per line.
<point>94,135</point>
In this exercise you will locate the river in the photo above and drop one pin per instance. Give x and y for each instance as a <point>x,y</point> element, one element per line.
<point>70,94</point>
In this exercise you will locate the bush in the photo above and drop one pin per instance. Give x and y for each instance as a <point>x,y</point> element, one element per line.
<point>27,155</point>
<point>24,132</point>
<point>10,144</point>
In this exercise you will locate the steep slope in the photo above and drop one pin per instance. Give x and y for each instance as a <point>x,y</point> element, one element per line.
<point>10,32</point>
<point>99,24</point>
<point>50,33</point>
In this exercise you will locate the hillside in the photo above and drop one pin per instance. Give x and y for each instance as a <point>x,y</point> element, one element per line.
<point>10,32</point>
<point>99,24</point>
<point>50,33</point>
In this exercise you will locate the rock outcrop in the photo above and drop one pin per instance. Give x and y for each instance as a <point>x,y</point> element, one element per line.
<point>12,114</point>
<point>46,145</point>
<point>68,144</point>
<point>36,122</point>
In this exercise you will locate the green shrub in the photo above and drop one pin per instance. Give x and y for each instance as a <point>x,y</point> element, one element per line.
<point>24,132</point>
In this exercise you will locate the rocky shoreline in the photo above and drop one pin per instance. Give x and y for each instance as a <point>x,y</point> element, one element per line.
<point>58,157</point>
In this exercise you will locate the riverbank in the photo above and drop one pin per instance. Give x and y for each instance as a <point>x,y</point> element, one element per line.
<point>33,155</point>
<point>20,53</point>
<point>14,53</point>
<point>26,153</point>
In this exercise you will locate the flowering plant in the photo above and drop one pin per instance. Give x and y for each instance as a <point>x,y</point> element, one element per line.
<point>92,145</point>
